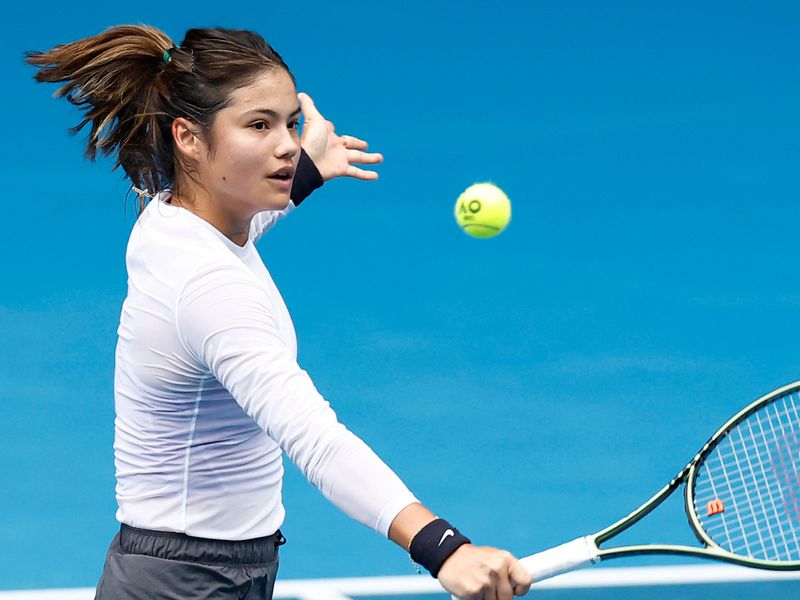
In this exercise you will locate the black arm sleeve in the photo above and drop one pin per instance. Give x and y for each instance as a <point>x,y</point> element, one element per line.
<point>306,179</point>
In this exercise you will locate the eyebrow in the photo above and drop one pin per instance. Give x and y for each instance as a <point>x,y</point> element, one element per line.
<point>272,113</point>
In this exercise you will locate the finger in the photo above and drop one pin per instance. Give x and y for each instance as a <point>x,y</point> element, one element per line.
<point>361,174</point>
<point>504,589</point>
<point>499,570</point>
<point>520,578</point>
<point>364,158</point>
<point>521,590</point>
<point>353,142</point>
<point>308,107</point>
<point>493,593</point>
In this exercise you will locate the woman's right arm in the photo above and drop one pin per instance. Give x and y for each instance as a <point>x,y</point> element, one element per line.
<point>226,321</point>
<point>470,572</point>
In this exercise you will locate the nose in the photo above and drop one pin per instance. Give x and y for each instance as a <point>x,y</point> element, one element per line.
<point>288,145</point>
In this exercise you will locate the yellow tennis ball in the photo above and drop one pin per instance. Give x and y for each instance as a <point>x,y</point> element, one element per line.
<point>483,210</point>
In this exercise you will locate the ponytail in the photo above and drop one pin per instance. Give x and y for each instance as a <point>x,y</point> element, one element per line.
<point>113,78</point>
<point>131,82</point>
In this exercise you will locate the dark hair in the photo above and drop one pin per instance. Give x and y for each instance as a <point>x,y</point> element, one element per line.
<point>132,82</point>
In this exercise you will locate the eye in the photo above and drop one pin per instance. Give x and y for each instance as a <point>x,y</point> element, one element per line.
<point>260,125</point>
<point>294,124</point>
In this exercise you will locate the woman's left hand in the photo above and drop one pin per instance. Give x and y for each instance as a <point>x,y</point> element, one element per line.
<point>333,155</point>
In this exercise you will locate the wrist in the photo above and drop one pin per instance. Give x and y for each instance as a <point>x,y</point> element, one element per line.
<point>408,522</point>
<point>434,544</point>
<point>306,178</point>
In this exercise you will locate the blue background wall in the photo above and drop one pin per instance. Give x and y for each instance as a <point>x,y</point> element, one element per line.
<point>531,387</point>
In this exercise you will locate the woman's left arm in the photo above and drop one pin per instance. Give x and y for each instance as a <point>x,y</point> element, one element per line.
<point>324,156</point>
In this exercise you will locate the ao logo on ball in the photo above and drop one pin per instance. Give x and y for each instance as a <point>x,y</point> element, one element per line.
<point>483,210</point>
<point>473,206</point>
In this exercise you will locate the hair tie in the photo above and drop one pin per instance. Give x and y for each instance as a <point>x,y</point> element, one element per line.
<point>167,56</point>
<point>142,193</point>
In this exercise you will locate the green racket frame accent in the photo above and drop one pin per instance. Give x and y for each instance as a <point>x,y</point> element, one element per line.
<point>687,475</point>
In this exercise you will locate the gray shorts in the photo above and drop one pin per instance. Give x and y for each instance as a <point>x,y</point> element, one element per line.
<point>159,565</point>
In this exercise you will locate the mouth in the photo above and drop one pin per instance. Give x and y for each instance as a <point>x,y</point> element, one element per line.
<point>282,174</point>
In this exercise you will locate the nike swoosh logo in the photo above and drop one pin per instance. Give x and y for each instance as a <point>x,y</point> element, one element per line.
<point>447,534</point>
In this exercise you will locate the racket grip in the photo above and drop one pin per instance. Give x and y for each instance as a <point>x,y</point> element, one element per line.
<point>577,554</point>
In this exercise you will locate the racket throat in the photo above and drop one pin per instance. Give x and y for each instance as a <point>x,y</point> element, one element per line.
<point>641,512</point>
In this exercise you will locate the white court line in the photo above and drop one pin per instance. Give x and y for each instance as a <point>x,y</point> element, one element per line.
<point>344,588</point>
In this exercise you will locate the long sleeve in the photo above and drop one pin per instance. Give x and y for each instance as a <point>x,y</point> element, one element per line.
<point>226,320</point>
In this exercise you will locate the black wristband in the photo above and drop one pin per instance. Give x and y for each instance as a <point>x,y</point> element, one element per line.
<point>434,544</point>
<point>306,179</point>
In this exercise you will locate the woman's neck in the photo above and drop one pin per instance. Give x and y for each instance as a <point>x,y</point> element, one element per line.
<point>202,205</point>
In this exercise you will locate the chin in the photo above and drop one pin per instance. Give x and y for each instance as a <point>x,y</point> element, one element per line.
<point>282,202</point>
<point>274,202</point>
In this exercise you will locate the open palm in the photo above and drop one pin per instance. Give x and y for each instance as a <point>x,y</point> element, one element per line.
<point>334,155</point>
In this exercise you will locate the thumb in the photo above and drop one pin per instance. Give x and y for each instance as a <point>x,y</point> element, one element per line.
<point>308,107</point>
<point>520,578</point>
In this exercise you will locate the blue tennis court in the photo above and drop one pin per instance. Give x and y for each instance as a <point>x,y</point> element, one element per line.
<point>532,387</point>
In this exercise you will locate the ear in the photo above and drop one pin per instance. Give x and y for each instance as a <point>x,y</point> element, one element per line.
<point>187,139</point>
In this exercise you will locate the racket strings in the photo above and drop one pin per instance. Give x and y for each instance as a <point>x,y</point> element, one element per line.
<point>747,491</point>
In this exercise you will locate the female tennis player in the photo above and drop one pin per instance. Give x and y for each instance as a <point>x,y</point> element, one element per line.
<point>208,392</point>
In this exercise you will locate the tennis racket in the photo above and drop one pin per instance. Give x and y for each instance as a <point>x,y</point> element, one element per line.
<point>742,493</point>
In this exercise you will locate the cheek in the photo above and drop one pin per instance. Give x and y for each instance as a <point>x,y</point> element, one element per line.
<point>234,161</point>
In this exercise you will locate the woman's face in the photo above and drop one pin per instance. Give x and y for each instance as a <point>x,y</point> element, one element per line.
<point>252,148</point>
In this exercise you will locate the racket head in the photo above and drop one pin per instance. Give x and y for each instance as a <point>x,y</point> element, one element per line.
<point>743,487</point>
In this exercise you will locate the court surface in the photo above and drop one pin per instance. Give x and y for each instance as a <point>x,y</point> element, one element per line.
<point>531,388</point>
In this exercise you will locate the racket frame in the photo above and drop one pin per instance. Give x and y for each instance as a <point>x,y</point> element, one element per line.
<point>687,475</point>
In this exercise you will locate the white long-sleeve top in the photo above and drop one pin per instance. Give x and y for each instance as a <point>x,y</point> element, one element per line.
<point>208,393</point>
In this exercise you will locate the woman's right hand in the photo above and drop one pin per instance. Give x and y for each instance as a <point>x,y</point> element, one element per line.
<point>483,573</point>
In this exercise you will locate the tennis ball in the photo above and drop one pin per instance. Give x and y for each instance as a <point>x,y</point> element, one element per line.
<point>483,210</point>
